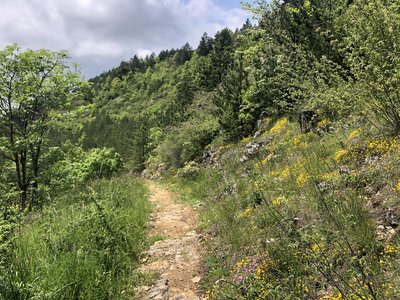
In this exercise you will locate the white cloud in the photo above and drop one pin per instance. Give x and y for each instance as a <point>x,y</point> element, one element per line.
<point>98,48</point>
<point>101,33</point>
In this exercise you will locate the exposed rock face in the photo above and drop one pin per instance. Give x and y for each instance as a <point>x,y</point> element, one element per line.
<point>307,120</point>
<point>252,148</point>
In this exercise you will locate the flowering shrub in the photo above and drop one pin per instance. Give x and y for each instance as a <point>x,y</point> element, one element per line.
<point>248,268</point>
<point>354,134</point>
<point>379,146</point>
<point>248,212</point>
<point>279,200</point>
<point>299,141</point>
<point>341,155</point>
<point>281,174</point>
<point>302,180</point>
<point>279,126</point>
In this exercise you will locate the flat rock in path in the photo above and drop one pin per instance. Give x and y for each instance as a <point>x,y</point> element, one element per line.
<point>159,291</point>
<point>196,279</point>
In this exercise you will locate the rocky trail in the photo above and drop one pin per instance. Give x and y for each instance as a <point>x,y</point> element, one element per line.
<point>176,258</point>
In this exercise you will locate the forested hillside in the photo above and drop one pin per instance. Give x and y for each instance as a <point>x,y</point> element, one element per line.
<point>285,131</point>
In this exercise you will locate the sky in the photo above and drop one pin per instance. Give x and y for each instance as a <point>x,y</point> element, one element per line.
<point>99,34</point>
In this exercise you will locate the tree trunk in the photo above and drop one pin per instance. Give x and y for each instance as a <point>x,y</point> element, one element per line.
<point>35,154</point>
<point>24,194</point>
<point>35,188</point>
<point>22,176</point>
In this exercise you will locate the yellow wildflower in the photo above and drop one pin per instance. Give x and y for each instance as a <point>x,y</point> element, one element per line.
<point>339,155</point>
<point>323,122</point>
<point>210,294</point>
<point>246,213</point>
<point>260,271</point>
<point>354,134</point>
<point>246,140</point>
<point>315,248</point>
<point>330,175</point>
<point>299,142</point>
<point>297,139</point>
<point>302,180</point>
<point>279,200</point>
<point>379,146</point>
<point>338,296</point>
<point>398,185</point>
<point>389,249</point>
<point>279,126</point>
<point>274,173</point>
<point>282,174</point>
<point>241,263</point>
<point>285,173</point>
<point>224,147</point>
<point>267,158</point>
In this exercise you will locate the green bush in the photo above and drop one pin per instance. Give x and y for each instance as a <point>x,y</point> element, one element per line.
<point>372,50</point>
<point>72,165</point>
<point>101,163</point>
<point>187,142</point>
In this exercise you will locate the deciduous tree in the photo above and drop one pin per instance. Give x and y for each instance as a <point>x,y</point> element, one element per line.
<point>32,85</point>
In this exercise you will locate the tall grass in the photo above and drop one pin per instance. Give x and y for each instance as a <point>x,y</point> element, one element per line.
<point>83,246</point>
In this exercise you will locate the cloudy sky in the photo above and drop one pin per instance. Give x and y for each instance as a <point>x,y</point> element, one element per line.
<point>99,34</point>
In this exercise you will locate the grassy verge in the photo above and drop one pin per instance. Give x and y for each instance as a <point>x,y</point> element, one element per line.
<point>83,246</point>
<point>191,190</point>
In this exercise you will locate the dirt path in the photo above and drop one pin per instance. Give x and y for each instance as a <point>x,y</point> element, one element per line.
<point>177,257</point>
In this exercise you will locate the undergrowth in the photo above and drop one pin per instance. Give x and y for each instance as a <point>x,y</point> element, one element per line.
<point>83,246</point>
<point>304,216</point>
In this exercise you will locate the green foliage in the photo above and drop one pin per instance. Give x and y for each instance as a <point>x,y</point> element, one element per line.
<point>183,55</point>
<point>102,163</point>
<point>127,135</point>
<point>229,101</point>
<point>221,55</point>
<point>10,217</point>
<point>372,44</point>
<point>206,45</point>
<point>303,55</point>
<point>73,165</point>
<point>187,142</point>
<point>83,246</point>
<point>32,85</point>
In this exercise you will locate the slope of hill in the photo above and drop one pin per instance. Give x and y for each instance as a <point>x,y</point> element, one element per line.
<point>291,215</point>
